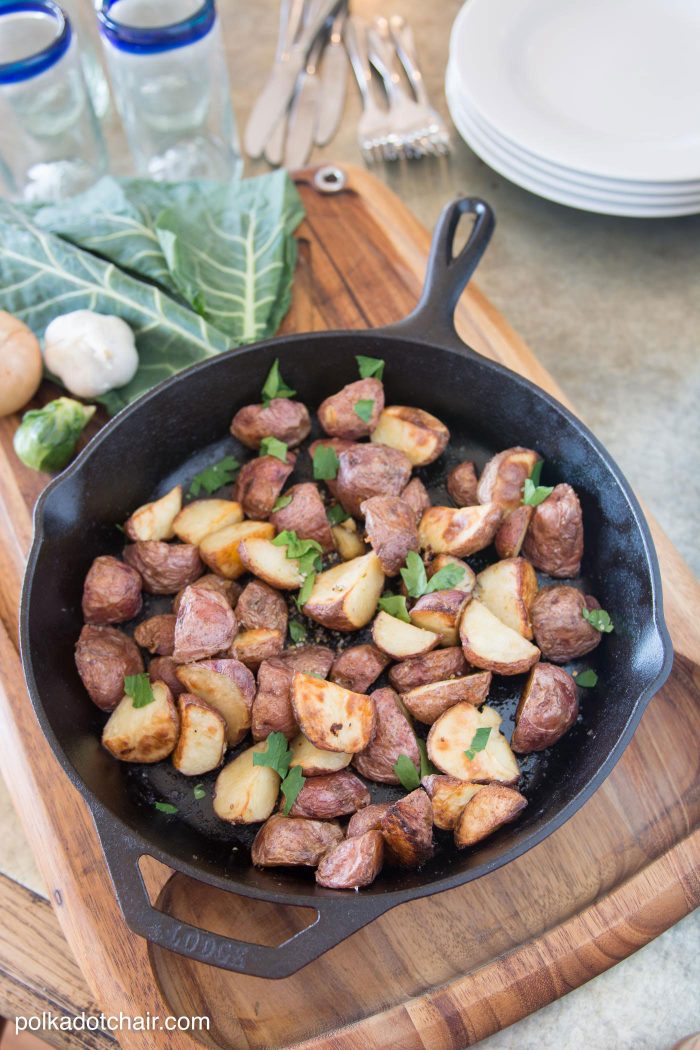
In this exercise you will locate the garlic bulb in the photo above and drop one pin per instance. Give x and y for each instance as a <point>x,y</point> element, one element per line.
<point>90,353</point>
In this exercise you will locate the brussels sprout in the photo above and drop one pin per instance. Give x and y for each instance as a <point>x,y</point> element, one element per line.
<point>46,437</point>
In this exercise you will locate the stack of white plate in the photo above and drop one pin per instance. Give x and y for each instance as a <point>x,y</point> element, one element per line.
<point>591,103</point>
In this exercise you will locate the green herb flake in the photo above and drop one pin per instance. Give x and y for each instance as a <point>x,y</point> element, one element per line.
<point>394,605</point>
<point>297,631</point>
<point>426,766</point>
<point>533,494</point>
<point>407,773</point>
<point>281,502</point>
<point>414,575</point>
<point>445,579</point>
<point>215,477</point>
<point>599,619</point>
<point>275,385</point>
<point>199,791</point>
<point>277,754</point>
<point>364,410</point>
<point>479,742</point>
<point>306,552</point>
<point>270,446</point>
<point>336,514</point>
<point>369,367</point>
<point>306,589</point>
<point>121,528</point>
<point>138,687</point>
<point>165,807</point>
<point>291,786</point>
<point>586,679</point>
<point>325,463</point>
<point>537,472</point>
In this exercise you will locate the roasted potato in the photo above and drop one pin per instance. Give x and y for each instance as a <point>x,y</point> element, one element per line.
<point>393,736</point>
<point>548,708</point>
<point>449,796</point>
<point>205,625</point>
<point>253,647</point>
<point>104,656</point>
<point>332,718</point>
<point>504,476</point>
<point>407,827</point>
<point>468,580</point>
<point>154,521</point>
<point>202,741</point>
<point>261,606</point>
<point>229,588</point>
<point>348,541</point>
<point>554,539</point>
<point>414,432</point>
<point>435,666</point>
<point>417,497</point>
<point>271,564</point>
<point>358,667</point>
<point>558,624</point>
<point>390,525</point>
<point>427,702</point>
<point>272,707</point>
<point>245,793</point>
<point>313,761</point>
<point>352,863</point>
<point>284,841</point>
<point>157,634</point>
<point>459,531</point>
<point>143,734</point>
<point>461,484</point>
<point>164,567</point>
<point>111,592</point>
<point>491,645</point>
<point>367,819</point>
<point>259,483</point>
<point>226,685</point>
<point>329,796</point>
<point>305,515</point>
<point>203,516</point>
<point>511,533</point>
<point>370,470</point>
<point>337,413</point>
<point>164,669</point>
<point>401,640</point>
<point>220,549</point>
<point>452,735</point>
<point>286,420</point>
<point>508,589</point>
<point>345,597</point>
<point>488,810</point>
<point>440,613</point>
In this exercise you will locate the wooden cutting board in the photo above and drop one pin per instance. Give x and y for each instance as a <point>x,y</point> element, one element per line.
<point>442,972</point>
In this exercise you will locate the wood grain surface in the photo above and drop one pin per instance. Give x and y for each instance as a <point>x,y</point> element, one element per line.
<point>437,973</point>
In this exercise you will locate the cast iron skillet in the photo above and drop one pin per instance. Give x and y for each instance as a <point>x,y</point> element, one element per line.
<point>179,427</point>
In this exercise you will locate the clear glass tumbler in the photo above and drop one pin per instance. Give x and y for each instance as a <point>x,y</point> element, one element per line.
<point>171,87</point>
<point>50,142</point>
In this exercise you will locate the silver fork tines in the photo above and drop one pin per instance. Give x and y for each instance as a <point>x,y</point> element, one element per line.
<point>404,42</point>
<point>373,127</point>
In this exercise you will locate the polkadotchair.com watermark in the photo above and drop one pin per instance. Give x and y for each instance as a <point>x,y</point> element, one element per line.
<point>82,1022</point>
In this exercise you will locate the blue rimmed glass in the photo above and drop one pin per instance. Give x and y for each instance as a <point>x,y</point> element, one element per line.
<point>170,82</point>
<point>50,143</point>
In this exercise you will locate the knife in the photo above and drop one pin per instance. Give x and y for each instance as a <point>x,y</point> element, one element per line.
<point>291,12</point>
<point>275,97</point>
<point>303,114</point>
<point>333,81</point>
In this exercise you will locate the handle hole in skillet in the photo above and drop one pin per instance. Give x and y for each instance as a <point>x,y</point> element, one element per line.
<point>463,232</point>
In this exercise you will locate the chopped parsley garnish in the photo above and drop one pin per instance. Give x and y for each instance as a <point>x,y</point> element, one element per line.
<point>215,477</point>
<point>599,619</point>
<point>276,755</point>
<point>199,791</point>
<point>479,742</point>
<point>407,773</point>
<point>336,514</point>
<point>297,631</point>
<point>291,786</point>
<point>281,502</point>
<point>270,446</point>
<point>394,605</point>
<point>369,367</point>
<point>165,807</point>
<point>325,462</point>
<point>416,578</point>
<point>275,385</point>
<point>586,679</point>
<point>138,687</point>
<point>533,492</point>
<point>364,410</point>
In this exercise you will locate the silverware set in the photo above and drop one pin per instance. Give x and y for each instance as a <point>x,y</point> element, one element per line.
<point>302,102</point>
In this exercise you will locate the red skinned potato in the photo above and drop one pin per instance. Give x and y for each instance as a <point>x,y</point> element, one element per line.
<point>111,592</point>
<point>261,606</point>
<point>202,741</point>
<point>104,656</point>
<point>452,735</point>
<point>370,470</point>
<point>461,484</point>
<point>508,588</point>
<point>440,613</point>
<point>286,420</point>
<point>393,736</point>
<point>220,550</point>
<point>164,669</point>
<point>260,482</point>
<point>548,708</point>
<point>254,647</point>
<point>491,645</point>
<point>245,793</point>
<point>229,588</point>
<point>417,497</point>
<point>486,812</point>
<point>352,863</point>
<point>390,525</point>
<point>226,685</point>
<point>284,841</point>
<point>459,530</point>
<point>203,516</point>
<point>358,667</point>
<point>143,734</point>
<point>154,521</point>
<point>504,476</point>
<point>511,534</point>
<point>435,666</point>
<point>344,597</point>
<point>313,761</point>
<point>205,625</point>
<point>272,707</point>
<point>367,819</point>
<point>554,539</point>
<point>449,796</point>
<point>332,718</point>
<point>305,515</point>
<point>558,624</point>
<point>407,827</point>
<point>337,413</point>
<point>401,640</point>
<point>330,796</point>
<point>157,634</point>
<point>418,434</point>
<point>427,702</point>
<point>164,567</point>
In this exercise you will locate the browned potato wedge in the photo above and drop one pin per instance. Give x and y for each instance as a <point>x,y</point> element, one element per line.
<point>548,708</point>
<point>491,645</point>
<point>511,533</point>
<point>229,588</point>
<point>367,819</point>
<point>453,733</point>
<point>440,612</point>
<point>393,736</point>
<point>270,563</point>
<point>449,796</point>
<point>468,580</point>
<point>313,761</point>
<point>337,413</point>
<point>352,863</point>
<point>157,634</point>
<point>226,685</point>
<point>504,476</point>
<point>164,669</point>
<point>155,521</point>
<point>329,796</point>
<point>104,656</point>
<point>285,841</point>
<point>164,567</point>
<point>203,516</point>
<point>427,702</point>
<point>370,470</point>
<point>143,734</point>
<point>460,531</point>
<point>286,420</point>
<point>432,667</point>
<point>261,606</point>
<point>491,808</point>
<point>272,707</point>
<point>417,497</point>
<point>253,647</point>
<point>461,484</point>
<point>390,525</point>
<point>260,482</point>
<point>414,432</point>
<point>202,741</point>
<point>358,667</point>
<point>554,539</point>
<point>205,625</point>
<point>245,793</point>
<point>507,589</point>
<point>111,592</point>
<point>407,827</point>
<point>560,629</point>
<point>220,549</point>
<point>332,718</point>
<point>401,640</point>
<point>348,541</point>
<point>345,597</point>
<point>305,515</point>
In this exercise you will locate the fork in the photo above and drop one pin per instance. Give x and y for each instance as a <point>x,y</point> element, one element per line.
<point>406,48</point>
<point>372,128</point>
